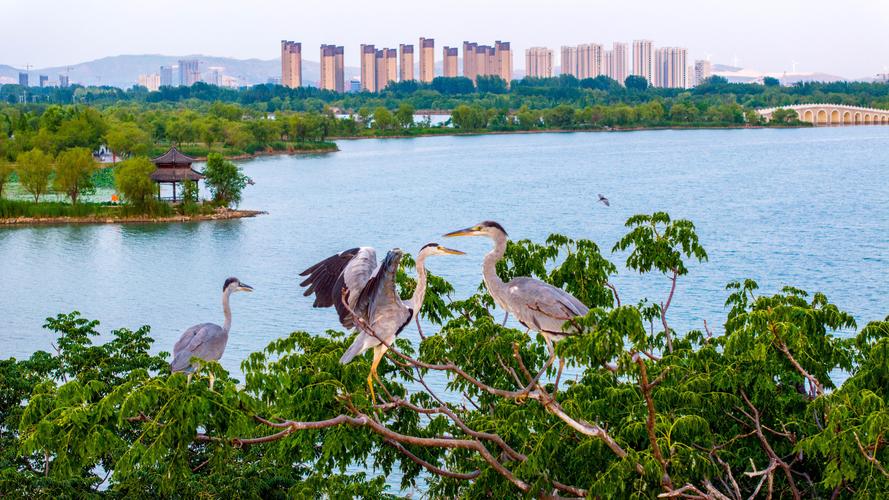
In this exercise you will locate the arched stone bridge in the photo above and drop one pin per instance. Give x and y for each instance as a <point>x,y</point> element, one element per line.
<point>834,114</point>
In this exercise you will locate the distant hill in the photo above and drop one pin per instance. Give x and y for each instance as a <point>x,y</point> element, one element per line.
<point>744,75</point>
<point>123,71</point>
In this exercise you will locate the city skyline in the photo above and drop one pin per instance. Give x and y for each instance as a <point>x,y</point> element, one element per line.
<point>720,33</point>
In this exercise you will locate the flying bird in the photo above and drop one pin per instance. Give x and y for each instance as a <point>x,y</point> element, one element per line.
<point>206,341</point>
<point>368,290</point>
<point>537,305</point>
<point>604,200</point>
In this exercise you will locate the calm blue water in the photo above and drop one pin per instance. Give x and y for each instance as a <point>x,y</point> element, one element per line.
<point>805,207</point>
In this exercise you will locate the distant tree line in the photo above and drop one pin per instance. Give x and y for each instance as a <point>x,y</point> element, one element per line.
<point>489,91</point>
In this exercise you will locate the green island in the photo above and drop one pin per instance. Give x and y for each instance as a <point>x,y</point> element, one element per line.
<point>789,400</point>
<point>41,127</point>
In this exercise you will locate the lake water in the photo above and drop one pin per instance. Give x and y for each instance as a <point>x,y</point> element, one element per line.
<point>803,207</point>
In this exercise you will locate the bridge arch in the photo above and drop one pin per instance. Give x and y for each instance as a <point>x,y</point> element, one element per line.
<point>835,117</point>
<point>868,119</point>
<point>847,117</point>
<point>822,117</point>
<point>857,117</point>
<point>808,116</point>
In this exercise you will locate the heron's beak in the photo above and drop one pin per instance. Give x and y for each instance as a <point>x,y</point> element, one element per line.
<point>245,288</point>
<point>469,231</point>
<point>451,251</point>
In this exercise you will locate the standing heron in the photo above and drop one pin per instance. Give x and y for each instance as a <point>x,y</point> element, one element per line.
<point>206,341</point>
<point>369,292</point>
<point>537,305</point>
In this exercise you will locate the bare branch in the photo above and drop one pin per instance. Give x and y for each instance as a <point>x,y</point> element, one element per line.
<point>774,459</point>
<point>432,468</point>
<point>614,291</point>
<point>664,307</point>
<point>871,458</point>
<point>650,422</point>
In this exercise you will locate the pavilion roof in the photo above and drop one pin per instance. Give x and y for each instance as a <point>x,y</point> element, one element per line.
<point>173,157</point>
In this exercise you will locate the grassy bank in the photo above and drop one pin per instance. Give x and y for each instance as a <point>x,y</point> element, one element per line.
<point>10,209</point>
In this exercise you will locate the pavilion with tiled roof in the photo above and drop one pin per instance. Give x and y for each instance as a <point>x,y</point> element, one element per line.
<point>173,168</point>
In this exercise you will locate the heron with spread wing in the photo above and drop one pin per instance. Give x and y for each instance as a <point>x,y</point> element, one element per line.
<point>537,305</point>
<point>355,285</point>
<point>206,341</point>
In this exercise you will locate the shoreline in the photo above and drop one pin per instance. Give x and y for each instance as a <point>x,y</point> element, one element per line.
<point>259,154</point>
<point>560,131</point>
<point>139,219</point>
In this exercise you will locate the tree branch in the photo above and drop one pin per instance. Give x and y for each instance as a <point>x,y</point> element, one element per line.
<point>664,307</point>
<point>871,458</point>
<point>650,422</point>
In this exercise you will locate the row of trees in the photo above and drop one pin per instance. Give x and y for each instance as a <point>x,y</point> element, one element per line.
<point>35,135</point>
<point>650,114</point>
<point>132,129</point>
<point>750,410</point>
<point>447,93</point>
<point>71,172</point>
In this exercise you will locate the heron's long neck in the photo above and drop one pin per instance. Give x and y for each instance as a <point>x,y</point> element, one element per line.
<point>420,291</point>
<point>226,310</point>
<point>495,285</point>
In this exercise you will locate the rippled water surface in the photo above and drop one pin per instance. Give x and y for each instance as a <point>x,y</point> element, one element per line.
<point>806,207</point>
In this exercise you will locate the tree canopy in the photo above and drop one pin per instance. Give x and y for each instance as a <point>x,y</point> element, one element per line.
<point>754,408</point>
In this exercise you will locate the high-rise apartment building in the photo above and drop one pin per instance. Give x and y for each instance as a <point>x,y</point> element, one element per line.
<point>469,66</point>
<point>368,68</point>
<point>152,82</point>
<point>449,62</point>
<point>291,64</point>
<point>427,59</point>
<point>406,61</point>
<point>166,76</point>
<point>331,77</point>
<point>539,62</point>
<point>503,54</point>
<point>23,79</point>
<point>569,61</point>
<point>619,58</point>
<point>642,59</point>
<point>589,60</point>
<point>63,81</point>
<point>340,69</point>
<point>703,70</point>
<point>189,72</point>
<point>43,79</point>
<point>582,61</point>
<point>670,70</point>
<point>385,67</point>
<point>391,65</point>
<point>485,60</point>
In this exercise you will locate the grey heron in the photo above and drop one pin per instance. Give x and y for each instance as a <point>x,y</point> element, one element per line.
<point>206,341</point>
<point>537,305</point>
<point>368,290</point>
<point>604,200</point>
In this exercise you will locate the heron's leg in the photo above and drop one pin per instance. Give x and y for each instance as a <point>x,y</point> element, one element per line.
<point>505,317</point>
<point>378,356</point>
<point>559,375</point>
<point>188,378</point>
<point>212,379</point>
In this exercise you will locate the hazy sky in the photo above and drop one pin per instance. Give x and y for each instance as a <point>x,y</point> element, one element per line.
<point>845,37</point>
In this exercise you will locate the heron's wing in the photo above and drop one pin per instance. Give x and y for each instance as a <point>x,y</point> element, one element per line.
<point>204,341</point>
<point>346,271</point>
<point>542,306</point>
<point>380,288</point>
<point>607,203</point>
